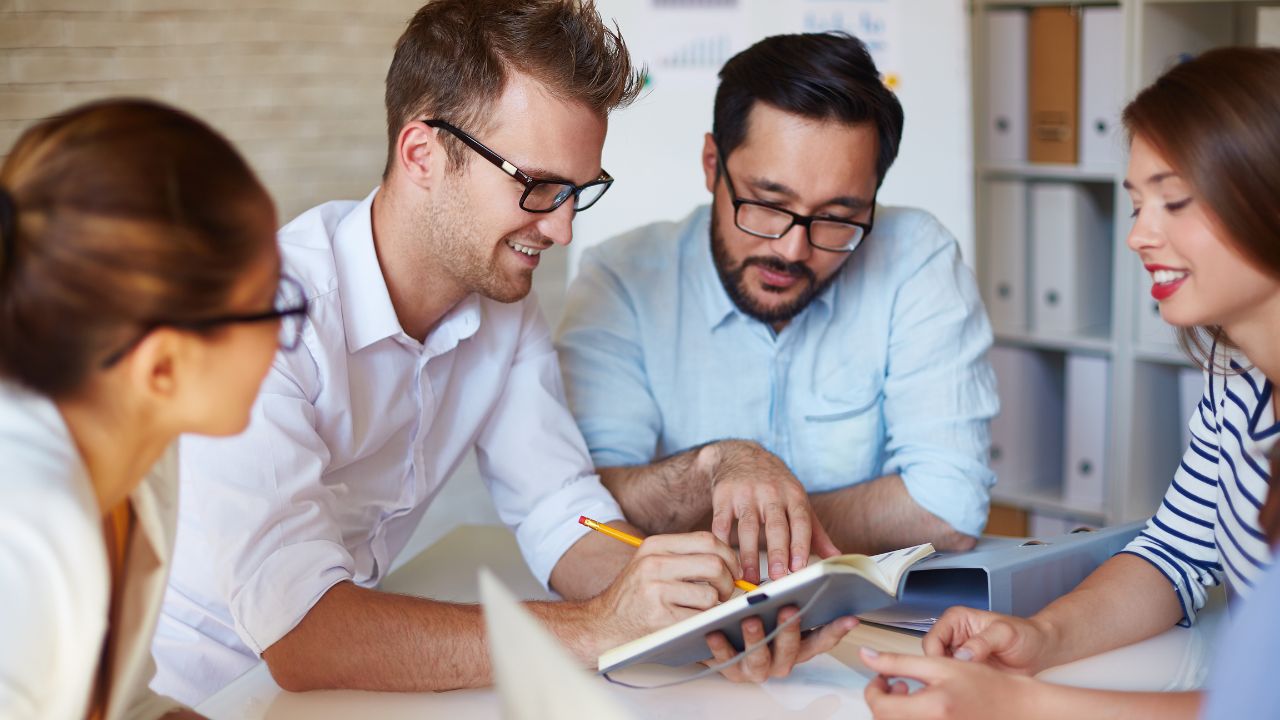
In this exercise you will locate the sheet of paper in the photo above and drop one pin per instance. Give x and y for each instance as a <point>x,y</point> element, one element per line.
<point>536,677</point>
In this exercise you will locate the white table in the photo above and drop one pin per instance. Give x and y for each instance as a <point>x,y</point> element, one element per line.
<point>826,687</point>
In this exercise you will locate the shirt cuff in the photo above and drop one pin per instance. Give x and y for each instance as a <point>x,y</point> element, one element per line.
<point>962,502</point>
<point>616,458</point>
<point>1188,589</point>
<point>552,527</point>
<point>285,587</point>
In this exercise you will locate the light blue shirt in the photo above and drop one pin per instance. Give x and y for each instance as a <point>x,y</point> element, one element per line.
<point>884,373</point>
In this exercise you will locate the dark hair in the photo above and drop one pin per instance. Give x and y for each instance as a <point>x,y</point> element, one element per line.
<point>1215,120</point>
<point>452,62</point>
<point>822,76</point>
<point>120,212</point>
<point>1269,513</point>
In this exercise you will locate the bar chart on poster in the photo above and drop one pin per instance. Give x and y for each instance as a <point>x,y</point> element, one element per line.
<point>654,146</point>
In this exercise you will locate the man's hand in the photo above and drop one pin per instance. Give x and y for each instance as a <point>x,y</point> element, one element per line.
<point>670,578</point>
<point>785,652</point>
<point>751,487</point>
<point>1004,642</point>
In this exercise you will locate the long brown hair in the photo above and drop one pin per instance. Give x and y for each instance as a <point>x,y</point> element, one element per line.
<point>453,58</point>
<point>1216,120</point>
<point>116,214</point>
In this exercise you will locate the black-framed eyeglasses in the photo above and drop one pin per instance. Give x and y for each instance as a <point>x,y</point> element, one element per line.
<point>289,307</point>
<point>540,196</point>
<point>772,222</point>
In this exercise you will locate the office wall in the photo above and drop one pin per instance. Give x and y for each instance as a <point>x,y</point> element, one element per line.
<point>653,147</point>
<point>296,84</point>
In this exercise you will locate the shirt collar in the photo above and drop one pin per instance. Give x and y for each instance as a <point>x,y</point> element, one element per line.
<point>716,303</point>
<point>460,323</point>
<point>367,313</point>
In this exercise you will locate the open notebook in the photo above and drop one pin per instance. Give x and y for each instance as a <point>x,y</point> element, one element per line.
<point>536,677</point>
<point>844,585</point>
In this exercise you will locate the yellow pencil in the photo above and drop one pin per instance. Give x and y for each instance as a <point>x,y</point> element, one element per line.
<point>634,541</point>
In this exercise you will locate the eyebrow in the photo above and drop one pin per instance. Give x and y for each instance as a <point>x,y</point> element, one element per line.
<point>1153,180</point>
<point>538,173</point>
<point>852,202</point>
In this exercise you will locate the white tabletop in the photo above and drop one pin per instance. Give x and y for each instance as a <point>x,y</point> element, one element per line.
<point>826,687</point>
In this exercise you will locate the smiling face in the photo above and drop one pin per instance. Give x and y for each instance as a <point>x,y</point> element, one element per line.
<point>1198,276</point>
<point>476,227</point>
<point>811,167</point>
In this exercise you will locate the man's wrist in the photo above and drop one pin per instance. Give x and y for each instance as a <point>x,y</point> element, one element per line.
<point>706,464</point>
<point>580,626</point>
<point>713,457</point>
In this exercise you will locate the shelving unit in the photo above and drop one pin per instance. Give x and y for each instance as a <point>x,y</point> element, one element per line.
<point>1147,401</point>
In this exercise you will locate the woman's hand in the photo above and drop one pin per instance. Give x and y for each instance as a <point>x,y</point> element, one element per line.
<point>1004,642</point>
<point>953,689</point>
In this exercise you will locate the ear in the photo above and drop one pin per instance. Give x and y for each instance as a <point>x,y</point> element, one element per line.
<point>419,155</point>
<point>155,363</point>
<point>709,164</point>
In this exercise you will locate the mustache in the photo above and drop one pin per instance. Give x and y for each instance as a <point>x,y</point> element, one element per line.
<point>778,266</point>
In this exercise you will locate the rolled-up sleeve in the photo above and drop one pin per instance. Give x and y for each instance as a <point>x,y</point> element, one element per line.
<point>533,459</point>
<point>271,527</point>
<point>939,394</point>
<point>604,370</point>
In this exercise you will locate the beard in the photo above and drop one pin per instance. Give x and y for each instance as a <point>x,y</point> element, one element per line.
<point>735,281</point>
<point>448,241</point>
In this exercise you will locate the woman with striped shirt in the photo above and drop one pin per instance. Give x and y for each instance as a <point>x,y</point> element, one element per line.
<point>1204,177</point>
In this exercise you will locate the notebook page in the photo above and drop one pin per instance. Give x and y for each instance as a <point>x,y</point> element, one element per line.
<point>894,564</point>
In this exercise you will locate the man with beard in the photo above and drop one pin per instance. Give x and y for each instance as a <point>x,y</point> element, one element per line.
<point>792,360</point>
<point>421,346</point>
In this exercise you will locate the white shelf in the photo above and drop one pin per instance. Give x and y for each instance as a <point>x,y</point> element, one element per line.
<point>1143,414</point>
<point>1164,354</point>
<point>1045,171</point>
<point>1088,345</point>
<point>1035,3</point>
<point>1045,503</point>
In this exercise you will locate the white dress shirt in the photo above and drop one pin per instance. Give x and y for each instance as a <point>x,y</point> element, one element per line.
<point>352,436</point>
<point>54,576</point>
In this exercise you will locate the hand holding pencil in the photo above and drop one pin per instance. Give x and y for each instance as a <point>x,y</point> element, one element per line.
<point>634,541</point>
<point>673,577</point>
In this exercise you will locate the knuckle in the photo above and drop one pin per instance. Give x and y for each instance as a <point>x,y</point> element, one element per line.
<point>651,566</point>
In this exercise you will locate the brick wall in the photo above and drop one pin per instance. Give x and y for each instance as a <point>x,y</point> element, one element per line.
<point>296,84</point>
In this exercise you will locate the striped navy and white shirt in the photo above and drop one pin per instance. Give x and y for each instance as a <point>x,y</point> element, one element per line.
<point>1206,529</point>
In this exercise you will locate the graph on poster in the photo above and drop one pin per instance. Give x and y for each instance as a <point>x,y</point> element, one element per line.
<point>706,52</point>
<point>872,21</point>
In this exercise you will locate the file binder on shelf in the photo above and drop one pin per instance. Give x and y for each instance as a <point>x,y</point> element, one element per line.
<point>1026,435</point>
<point>1268,24</point>
<point>1084,475</point>
<point>1007,85</point>
<point>1101,86</point>
<point>1044,525</point>
<point>1005,279</point>
<point>1070,260</point>
<point>1010,576</point>
<point>1190,391</point>
<point>1053,90</point>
